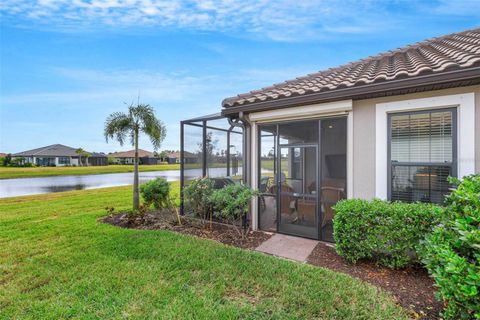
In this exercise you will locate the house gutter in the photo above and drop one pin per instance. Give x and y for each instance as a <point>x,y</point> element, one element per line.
<point>456,78</point>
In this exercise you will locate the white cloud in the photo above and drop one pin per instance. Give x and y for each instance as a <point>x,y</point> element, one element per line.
<point>284,20</point>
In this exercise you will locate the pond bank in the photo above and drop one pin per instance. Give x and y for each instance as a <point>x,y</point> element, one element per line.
<point>35,172</point>
<point>42,185</point>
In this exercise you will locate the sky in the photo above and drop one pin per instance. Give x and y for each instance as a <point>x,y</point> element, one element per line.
<point>65,65</point>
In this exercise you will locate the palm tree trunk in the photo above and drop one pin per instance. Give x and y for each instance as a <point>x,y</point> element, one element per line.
<point>136,195</point>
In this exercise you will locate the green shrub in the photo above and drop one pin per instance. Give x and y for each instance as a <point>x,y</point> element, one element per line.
<point>232,204</point>
<point>451,252</point>
<point>7,160</point>
<point>197,195</point>
<point>386,232</point>
<point>156,192</point>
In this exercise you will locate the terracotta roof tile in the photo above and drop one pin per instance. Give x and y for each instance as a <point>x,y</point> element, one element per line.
<point>436,55</point>
<point>131,154</point>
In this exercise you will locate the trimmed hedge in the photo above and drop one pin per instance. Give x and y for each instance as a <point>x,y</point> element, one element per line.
<point>451,252</point>
<point>387,232</point>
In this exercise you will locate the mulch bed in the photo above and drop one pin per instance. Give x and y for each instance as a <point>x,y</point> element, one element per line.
<point>412,287</point>
<point>166,220</point>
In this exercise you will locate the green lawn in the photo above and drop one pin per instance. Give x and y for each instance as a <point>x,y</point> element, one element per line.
<point>57,262</point>
<point>10,172</point>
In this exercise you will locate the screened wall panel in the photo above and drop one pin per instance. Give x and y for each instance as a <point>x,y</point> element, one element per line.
<point>211,147</point>
<point>266,185</point>
<point>422,155</point>
<point>216,151</point>
<point>193,153</point>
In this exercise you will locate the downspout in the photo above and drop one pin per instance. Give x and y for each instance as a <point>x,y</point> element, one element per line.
<point>243,122</point>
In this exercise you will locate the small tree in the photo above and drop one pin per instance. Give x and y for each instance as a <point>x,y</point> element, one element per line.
<point>7,160</point>
<point>139,119</point>
<point>163,155</point>
<point>156,192</point>
<point>82,156</point>
<point>232,204</point>
<point>198,197</point>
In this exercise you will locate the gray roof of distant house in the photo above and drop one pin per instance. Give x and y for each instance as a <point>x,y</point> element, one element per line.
<point>437,63</point>
<point>54,150</point>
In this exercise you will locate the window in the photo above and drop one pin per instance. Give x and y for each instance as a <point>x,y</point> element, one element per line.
<point>421,155</point>
<point>63,160</point>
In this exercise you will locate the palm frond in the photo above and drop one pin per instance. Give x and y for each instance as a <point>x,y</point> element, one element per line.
<point>117,126</point>
<point>151,126</point>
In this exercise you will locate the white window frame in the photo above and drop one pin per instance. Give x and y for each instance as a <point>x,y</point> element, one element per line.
<point>465,104</point>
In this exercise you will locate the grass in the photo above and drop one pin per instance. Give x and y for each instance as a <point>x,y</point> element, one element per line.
<point>12,172</point>
<point>57,261</point>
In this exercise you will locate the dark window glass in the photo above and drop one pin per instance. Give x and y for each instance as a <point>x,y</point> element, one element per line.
<point>64,160</point>
<point>422,155</point>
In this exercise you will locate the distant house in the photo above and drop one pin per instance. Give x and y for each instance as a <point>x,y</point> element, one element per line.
<point>2,155</point>
<point>58,155</point>
<point>98,159</point>
<point>174,157</point>
<point>128,157</point>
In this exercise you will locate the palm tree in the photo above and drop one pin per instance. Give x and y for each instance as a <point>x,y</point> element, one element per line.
<point>82,154</point>
<point>140,118</point>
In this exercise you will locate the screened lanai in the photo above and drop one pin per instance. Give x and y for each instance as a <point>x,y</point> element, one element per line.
<point>211,146</point>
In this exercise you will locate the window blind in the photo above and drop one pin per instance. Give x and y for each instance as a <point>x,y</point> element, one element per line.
<point>421,155</point>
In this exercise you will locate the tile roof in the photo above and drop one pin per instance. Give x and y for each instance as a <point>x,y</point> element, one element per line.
<point>176,154</point>
<point>434,56</point>
<point>131,154</point>
<point>54,150</point>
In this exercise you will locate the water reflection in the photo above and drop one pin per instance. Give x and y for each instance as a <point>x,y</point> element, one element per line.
<point>29,186</point>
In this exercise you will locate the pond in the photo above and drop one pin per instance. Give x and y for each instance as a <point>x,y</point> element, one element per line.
<point>29,186</point>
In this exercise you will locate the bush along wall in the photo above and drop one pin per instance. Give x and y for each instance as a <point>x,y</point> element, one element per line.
<point>385,232</point>
<point>451,252</point>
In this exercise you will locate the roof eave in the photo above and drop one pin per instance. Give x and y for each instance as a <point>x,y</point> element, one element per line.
<point>362,92</point>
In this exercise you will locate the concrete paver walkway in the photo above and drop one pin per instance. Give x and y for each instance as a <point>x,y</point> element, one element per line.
<point>293,248</point>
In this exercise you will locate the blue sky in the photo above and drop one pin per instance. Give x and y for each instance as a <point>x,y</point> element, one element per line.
<point>67,64</point>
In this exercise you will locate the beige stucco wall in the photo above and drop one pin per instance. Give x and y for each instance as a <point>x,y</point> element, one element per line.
<point>364,136</point>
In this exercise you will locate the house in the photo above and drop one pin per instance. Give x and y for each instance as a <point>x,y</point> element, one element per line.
<point>392,126</point>
<point>97,159</point>
<point>58,155</point>
<point>174,157</point>
<point>128,157</point>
